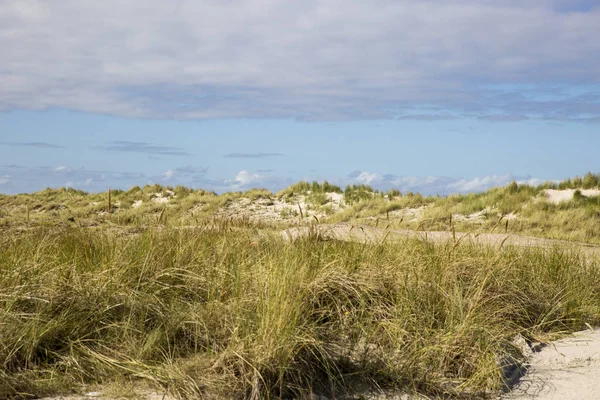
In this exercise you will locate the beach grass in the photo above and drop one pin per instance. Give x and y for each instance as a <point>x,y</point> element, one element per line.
<point>227,311</point>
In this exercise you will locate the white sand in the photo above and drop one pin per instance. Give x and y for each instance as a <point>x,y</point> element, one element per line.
<point>275,210</point>
<point>475,218</point>
<point>143,395</point>
<point>159,198</point>
<point>136,204</point>
<point>407,214</point>
<point>558,196</point>
<point>510,217</point>
<point>568,369</point>
<point>335,201</point>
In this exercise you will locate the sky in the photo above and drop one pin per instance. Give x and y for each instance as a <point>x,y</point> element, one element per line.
<point>433,96</point>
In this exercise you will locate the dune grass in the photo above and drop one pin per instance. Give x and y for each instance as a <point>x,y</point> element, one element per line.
<point>305,187</point>
<point>523,205</point>
<point>529,214</point>
<point>225,312</point>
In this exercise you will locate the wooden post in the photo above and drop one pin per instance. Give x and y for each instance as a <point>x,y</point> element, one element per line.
<point>109,210</point>
<point>506,227</point>
<point>27,209</point>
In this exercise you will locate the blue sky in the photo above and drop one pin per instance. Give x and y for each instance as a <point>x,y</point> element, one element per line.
<point>431,96</point>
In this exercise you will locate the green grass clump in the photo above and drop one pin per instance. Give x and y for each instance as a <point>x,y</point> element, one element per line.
<point>255,194</point>
<point>315,192</point>
<point>356,193</point>
<point>588,181</point>
<point>227,313</point>
<point>304,187</point>
<point>317,199</point>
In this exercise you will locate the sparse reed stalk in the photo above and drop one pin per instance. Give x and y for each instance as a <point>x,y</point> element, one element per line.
<point>160,216</point>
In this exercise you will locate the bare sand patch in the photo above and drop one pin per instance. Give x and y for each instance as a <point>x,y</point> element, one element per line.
<point>336,201</point>
<point>482,216</point>
<point>272,210</point>
<point>559,196</point>
<point>510,217</point>
<point>408,214</point>
<point>567,369</point>
<point>101,396</point>
<point>159,198</point>
<point>475,218</point>
<point>369,234</point>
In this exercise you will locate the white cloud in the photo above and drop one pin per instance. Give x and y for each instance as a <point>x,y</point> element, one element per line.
<point>437,184</point>
<point>366,178</point>
<point>327,59</point>
<point>169,174</point>
<point>408,181</point>
<point>534,181</point>
<point>16,179</point>
<point>479,184</point>
<point>245,178</point>
<point>30,179</point>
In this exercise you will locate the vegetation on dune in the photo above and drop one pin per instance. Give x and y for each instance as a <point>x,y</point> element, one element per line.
<point>160,286</point>
<point>577,219</point>
<point>315,192</point>
<point>304,187</point>
<point>218,313</point>
<point>529,214</point>
<point>357,193</point>
<point>589,181</point>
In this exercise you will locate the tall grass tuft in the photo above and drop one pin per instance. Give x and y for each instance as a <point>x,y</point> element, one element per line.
<point>229,313</point>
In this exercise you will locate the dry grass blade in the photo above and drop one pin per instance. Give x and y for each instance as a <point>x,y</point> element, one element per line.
<point>503,241</point>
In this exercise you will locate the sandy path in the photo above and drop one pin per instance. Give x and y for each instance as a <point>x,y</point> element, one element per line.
<point>568,369</point>
<point>369,234</point>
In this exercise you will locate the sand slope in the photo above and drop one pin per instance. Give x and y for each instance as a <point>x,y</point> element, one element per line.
<point>558,196</point>
<point>568,369</point>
